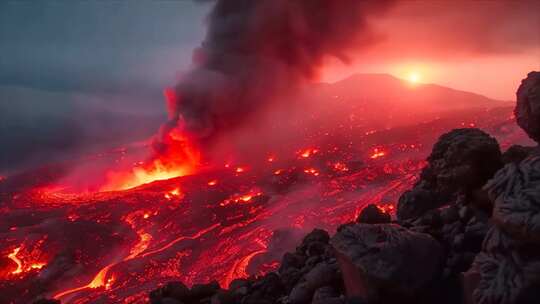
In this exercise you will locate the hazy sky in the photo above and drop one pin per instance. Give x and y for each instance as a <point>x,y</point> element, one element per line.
<point>115,46</point>
<point>485,47</point>
<point>61,60</point>
<point>101,46</point>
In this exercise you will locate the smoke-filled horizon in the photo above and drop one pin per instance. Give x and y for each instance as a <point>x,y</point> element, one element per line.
<point>256,51</point>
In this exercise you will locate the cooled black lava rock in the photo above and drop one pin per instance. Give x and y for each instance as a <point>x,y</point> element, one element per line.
<point>515,192</point>
<point>517,153</point>
<point>527,109</point>
<point>327,295</point>
<point>371,214</point>
<point>397,264</point>
<point>509,270</point>
<point>415,202</point>
<point>461,161</point>
<point>177,292</point>
<point>317,235</point>
<point>265,290</point>
<point>509,263</point>
<point>47,301</point>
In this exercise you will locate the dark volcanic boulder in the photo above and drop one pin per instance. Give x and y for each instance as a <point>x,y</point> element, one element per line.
<point>461,161</point>
<point>528,105</point>
<point>509,263</point>
<point>517,153</point>
<point>177,292</point>
<point>415,202</point>
<point>392,262</point>
<point>515,192</point>
<point>371,214</point>
<point>509,270</point>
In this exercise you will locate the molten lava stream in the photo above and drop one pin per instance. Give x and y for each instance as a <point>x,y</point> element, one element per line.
<point>14,258</point>
<point>25,260</point>
<point>101,280</point>
<point>180,157</point>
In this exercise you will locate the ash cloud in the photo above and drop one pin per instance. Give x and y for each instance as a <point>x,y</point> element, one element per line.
<point>257,51</point>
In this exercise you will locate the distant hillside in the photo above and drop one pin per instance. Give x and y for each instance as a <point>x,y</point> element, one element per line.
<point>383,101</point>
<point>387,89</point>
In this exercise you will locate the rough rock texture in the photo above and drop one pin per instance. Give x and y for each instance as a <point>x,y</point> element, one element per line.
<point>517,153</point>
<point>395,262</point>
<point>509,264</point>
<point>372,214</point>
<point>177,292</point>
<point>509,270</point>
<point>460,229</point>
<point>527,109</point>
<point>515,191</point>
<point>462,160</point>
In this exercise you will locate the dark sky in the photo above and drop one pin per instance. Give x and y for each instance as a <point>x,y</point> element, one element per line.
<point>64,63</point>
<point>96,45</point>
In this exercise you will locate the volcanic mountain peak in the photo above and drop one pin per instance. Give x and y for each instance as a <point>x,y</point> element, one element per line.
<point>388,88</point>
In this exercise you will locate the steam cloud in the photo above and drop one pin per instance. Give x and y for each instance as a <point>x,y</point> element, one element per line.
<point>256,51</point>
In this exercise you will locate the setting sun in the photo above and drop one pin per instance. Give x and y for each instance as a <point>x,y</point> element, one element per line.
<point>413,77</point>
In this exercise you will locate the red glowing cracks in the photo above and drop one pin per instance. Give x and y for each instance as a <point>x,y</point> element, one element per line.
<point>386,208</point>
<point>242,198</point>
<point>377,153</point>
<point>174,193</point>
<point>22,262</point>
<point>308,152</point>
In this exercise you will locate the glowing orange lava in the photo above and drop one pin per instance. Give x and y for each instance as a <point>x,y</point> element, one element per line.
<point>308,152</point>
<point>173,193</point>
<point>242,198</point>
<point>339,166</point>
<point>101,279</point>
<point>21,267</point>
<point>179,158</point>
<point>14,258</point>
<point>377,153</point>
<point>386,208</point>
<point>312,171</point>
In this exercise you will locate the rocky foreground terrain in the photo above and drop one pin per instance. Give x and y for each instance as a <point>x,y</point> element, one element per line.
<point>467,232</point>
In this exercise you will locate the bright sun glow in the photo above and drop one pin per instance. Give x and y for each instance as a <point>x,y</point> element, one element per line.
<point>413,77</point>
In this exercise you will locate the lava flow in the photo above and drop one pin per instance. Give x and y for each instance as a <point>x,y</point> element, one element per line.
<point>176,156</point>
<point>220,223</point>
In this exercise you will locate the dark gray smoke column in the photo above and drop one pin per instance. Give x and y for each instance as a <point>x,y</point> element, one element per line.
<point>257,50</point>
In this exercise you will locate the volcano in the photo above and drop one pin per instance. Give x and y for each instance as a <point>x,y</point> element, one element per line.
<point>236,216</point>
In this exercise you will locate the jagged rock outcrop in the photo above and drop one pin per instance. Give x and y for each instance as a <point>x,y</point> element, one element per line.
<point>372,214</point>
<point>517,153</point>
<point>396,263</point>
<point>462,160</point>
<point>527,109</point>
<point>515,192</point>
<point>509,264</point>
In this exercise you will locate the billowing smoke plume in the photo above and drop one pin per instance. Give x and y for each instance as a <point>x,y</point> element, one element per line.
<point>256,51</point>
